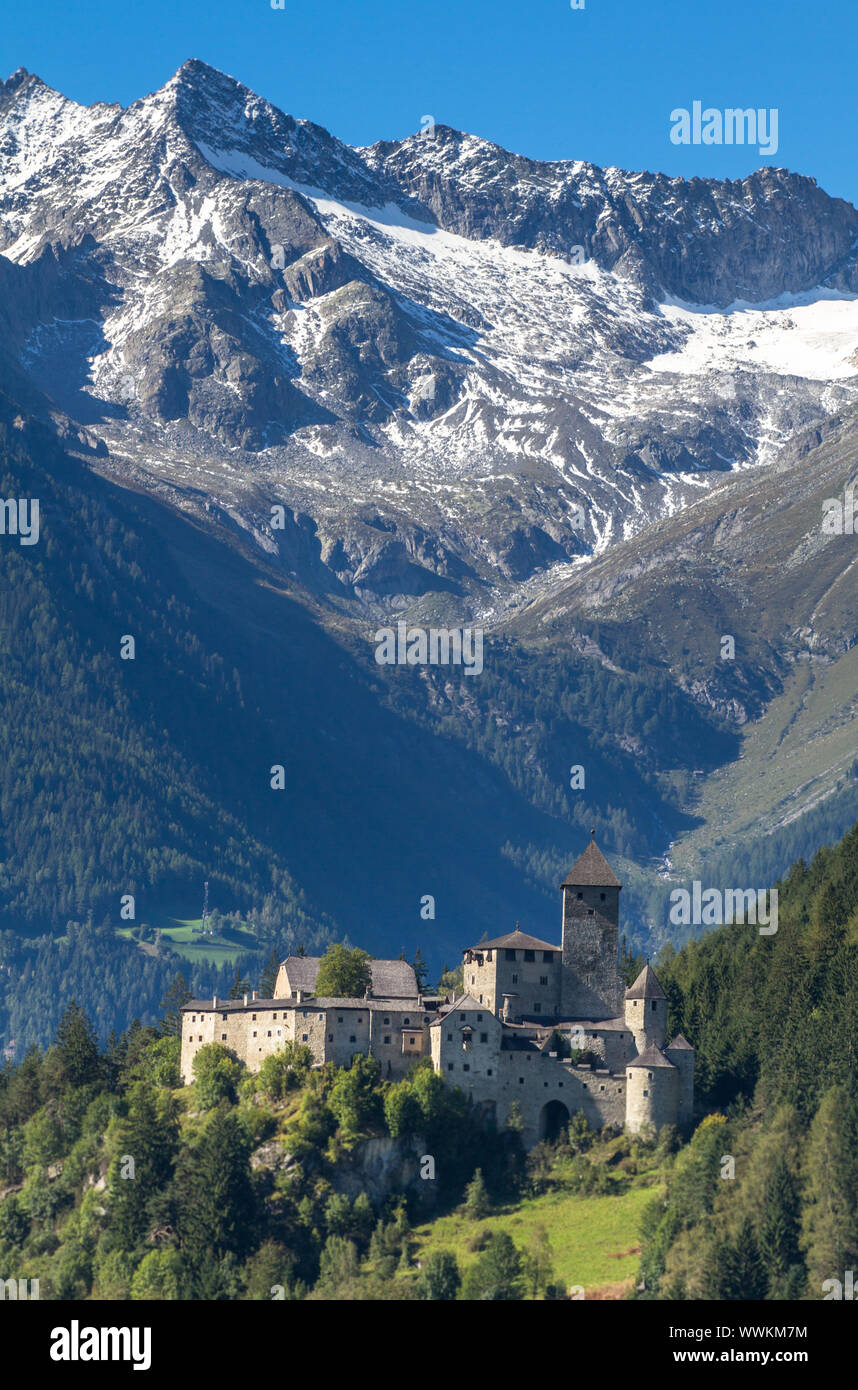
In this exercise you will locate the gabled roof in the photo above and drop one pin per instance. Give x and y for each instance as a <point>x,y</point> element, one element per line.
<point>516,939</point>
<point>465,1002</point>
<point>679,1044</point>
<point>591,870</point>
<point>646,986</point>
<point>394,979</point>
<point>651,1057</point>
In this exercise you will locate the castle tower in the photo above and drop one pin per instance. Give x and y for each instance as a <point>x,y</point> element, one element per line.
<point>681,1054</point>
<point>652,1095</point>
<point>591,986</point>
<point>645,1010</point>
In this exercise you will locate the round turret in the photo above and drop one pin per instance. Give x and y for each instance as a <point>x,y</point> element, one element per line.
<point>652,1092</point>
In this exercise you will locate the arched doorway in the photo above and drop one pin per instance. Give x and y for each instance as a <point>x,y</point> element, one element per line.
<point>552,1120</point>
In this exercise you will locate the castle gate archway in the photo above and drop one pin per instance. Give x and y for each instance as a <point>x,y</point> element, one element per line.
<point>552,1119</point>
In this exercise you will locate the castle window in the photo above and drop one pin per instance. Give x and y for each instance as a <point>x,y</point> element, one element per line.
<point>601,1088</point>
<point>194,1019</point>
<point>466,1066</point>
<point>543,979</point>
<point>304,1037</point>
<point>330,1037</point>
<point>602,896</point>
<point>489,1072</point>
<point>586,1087</point>
<point>253,1018</point>
<point>449,1037</point>
<point>545,1083</point>
<point>530,955</point>
<point>269,1032</point>
<point>488,955</point>
<point>509,955</point>
<point>274,1016</point>
<point>406,1021</point>
<point>321,1016</point>
<point>515,979</point>
<point>473,979</point>
<point>254,1032</point>
<point>223,1037</point>
<point>646,1093</point>
<point>649,1074</point>
<point>339,1019</point>
<point>580,896</point>
<point>484,1037</point>
<point>537,1008</point>
<point>654,1002</point>
<point>223,1016</point>
<point>201,1037</point>
<point>479,1016</point>
<point>560,1084</point>
<point>352,1038</point>
<point>548,957</point>
<point>387,1037</point>
<point>449,1066</point>
<point>521,1081</point>
<point>387,1023</point>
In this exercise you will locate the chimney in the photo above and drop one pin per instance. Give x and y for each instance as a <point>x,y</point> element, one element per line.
<point>255,995</point>
<point>246,998</point>
<point>299,995</point>
<point>214,1001</point>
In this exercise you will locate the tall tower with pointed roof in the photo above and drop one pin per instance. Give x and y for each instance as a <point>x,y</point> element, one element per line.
<point>591,986</point>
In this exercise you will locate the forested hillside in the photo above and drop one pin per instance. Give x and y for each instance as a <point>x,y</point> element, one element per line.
<point>774,1021</point>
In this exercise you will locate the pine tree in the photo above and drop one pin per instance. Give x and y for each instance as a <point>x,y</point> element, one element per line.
<point>477,1204</point>
<point>171,1005</point>
<point>77,1046</point>
<point>778,1232</point>
<point>268,978</point>
<point>421,970</point>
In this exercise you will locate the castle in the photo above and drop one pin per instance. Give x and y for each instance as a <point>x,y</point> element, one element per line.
<point>526,1005</point>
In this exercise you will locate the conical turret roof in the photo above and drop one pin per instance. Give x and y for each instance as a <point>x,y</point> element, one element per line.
<point>646,986</point>
<point>591,870</point>
<point>651,1057</point>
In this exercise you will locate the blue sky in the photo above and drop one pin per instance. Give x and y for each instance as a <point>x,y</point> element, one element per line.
<point>533,75</point>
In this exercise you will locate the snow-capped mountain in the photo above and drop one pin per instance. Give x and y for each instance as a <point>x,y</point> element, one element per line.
<point>458,369</point>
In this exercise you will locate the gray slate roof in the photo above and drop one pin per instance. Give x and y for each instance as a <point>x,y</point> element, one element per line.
<point>646,986</point>
<point>393,979</point>
<point>518,940</point>
<point>679,1044</point>
<point>591,870</point>
<point>651,1057</point>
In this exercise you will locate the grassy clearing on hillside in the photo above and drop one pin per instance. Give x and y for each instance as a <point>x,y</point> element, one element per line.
<point>183,937</point>
<point>594,1239</point>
